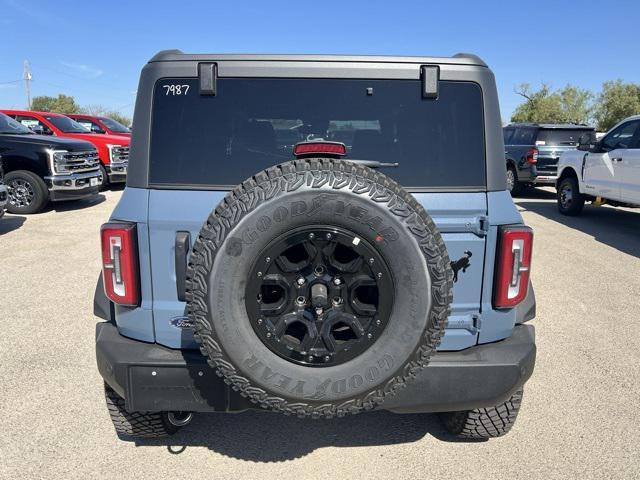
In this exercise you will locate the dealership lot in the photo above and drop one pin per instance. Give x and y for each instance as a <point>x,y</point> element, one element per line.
<point>579,417</point>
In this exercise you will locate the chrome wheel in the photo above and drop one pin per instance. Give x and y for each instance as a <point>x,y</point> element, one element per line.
<point>566,196</point>
<point>511,179</point>
<point>21,193</point>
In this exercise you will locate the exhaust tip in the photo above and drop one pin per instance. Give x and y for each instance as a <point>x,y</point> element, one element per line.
<point>179,419</point>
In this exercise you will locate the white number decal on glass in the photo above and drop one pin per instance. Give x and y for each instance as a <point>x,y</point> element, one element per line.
<point>176,89</point>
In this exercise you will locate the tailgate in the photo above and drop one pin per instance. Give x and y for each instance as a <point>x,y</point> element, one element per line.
<point>461,218</point>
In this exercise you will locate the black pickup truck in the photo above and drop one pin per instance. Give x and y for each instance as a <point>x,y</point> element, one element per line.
<point>532,151</point>
<point>41,168</point>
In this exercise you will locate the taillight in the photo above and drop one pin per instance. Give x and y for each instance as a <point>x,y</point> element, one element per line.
<point>532,156</point>
<point>513,266</point>
<point>320,148</point>
<point>120,268</point>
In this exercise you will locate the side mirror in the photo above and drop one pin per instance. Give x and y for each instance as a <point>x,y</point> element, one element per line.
<point>96,129</point>
<point>587,142</point>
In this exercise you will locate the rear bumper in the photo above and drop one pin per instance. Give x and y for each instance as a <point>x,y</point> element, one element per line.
<point>546,179</point>
<point>151,377</point>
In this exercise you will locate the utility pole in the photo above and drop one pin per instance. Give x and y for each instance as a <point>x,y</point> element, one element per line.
<point>27,82</point>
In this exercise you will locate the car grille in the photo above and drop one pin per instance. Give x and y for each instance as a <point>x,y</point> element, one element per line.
<point>119,154</point>
<point>75,162</point>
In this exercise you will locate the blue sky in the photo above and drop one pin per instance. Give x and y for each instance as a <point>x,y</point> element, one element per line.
<point>95,50</point>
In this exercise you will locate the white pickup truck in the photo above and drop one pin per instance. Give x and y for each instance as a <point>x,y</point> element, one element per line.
<point>604,171</point>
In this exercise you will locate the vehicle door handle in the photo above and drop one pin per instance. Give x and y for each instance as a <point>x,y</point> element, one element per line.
<point>616,159</point>
<point>182,246</point>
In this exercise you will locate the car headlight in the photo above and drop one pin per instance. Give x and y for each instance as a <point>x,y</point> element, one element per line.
<point>57,161</point>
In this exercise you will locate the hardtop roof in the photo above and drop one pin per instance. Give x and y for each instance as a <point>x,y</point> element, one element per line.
<point>178,56</point>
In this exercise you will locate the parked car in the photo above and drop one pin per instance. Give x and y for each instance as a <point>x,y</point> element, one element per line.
<point>39,168</point>
<point>532,151</point>
<point>605,170</point>
<point>99,124</point>
<point>4,196</point>
<point>112,149</point>
<point>237,275</point>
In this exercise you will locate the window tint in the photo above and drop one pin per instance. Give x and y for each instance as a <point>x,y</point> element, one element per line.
<point>254,123</point>
<point>523,136</point>
<point>507,133</point>
<point>560,136</point>
<point>622,136</point>
<point>65,124</point>
<point>114,126</point>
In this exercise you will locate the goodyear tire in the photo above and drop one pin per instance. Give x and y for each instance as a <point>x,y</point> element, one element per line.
<point>341,339</point>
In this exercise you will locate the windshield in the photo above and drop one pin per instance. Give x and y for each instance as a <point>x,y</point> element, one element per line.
<point>66,125</point>
<point>9,126</point>
<point>561,136</point>
<point>114,126</point>
<point>253,123</point>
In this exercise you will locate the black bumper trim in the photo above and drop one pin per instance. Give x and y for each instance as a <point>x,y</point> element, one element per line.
<point>64,195</point>
<point>151,377</point>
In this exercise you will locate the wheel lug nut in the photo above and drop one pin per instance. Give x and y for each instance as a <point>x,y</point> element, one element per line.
<point>369,336</point>
<point>319,311</point>
<point>300,281</point>
<point>371,260</point>
<point>380,275</point>
<point>268,334</point>
<point>329,236</point>
<point>310,358</point>
<point>301,300</point>
<point>336,301</point>
<point>268,259</point>
<point>259,321</point>
<point>378,322</point>
<point>327,358</point>
<point>259,274</point>
<point>312,236</point>
<point>337,281</point>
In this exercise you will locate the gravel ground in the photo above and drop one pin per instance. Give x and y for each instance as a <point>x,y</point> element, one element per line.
<point>579,416</point>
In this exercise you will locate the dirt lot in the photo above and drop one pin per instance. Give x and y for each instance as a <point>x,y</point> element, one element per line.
<point>579,418</point>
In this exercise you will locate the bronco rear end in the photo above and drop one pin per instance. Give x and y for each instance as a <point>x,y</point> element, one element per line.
<point>315,235</point>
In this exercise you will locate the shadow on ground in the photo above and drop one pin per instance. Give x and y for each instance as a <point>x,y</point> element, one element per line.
<point>614,227</point>
<point>9,223</point>
<point>270,437</point>
<point>75,204</point>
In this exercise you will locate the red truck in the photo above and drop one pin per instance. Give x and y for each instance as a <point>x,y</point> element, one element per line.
<point>99,124</point>
<point>113,150</point>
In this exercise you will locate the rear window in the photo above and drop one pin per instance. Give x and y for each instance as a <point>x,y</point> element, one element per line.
<point>560,136</point>
<point>254,123</point>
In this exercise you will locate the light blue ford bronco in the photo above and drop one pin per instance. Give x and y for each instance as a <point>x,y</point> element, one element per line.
<point>317,236</point>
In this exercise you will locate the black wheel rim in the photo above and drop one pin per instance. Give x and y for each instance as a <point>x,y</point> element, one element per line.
<point>21,193</point>
<point>319,296</point>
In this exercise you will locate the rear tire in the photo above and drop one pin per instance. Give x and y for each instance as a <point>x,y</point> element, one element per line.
<point>27,192</point>
<point>136,424</point>
<point>484,423</point>
<point>513,185</point>
<point>570,200</point>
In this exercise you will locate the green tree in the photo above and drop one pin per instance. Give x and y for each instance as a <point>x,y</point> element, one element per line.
<point>60,104</point>
<point>617,101</point>
<point>577,104</point>
<point>542,105</point>
<point>569,105</point>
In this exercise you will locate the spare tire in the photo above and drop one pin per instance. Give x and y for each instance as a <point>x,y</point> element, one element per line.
<point>318,287</point>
